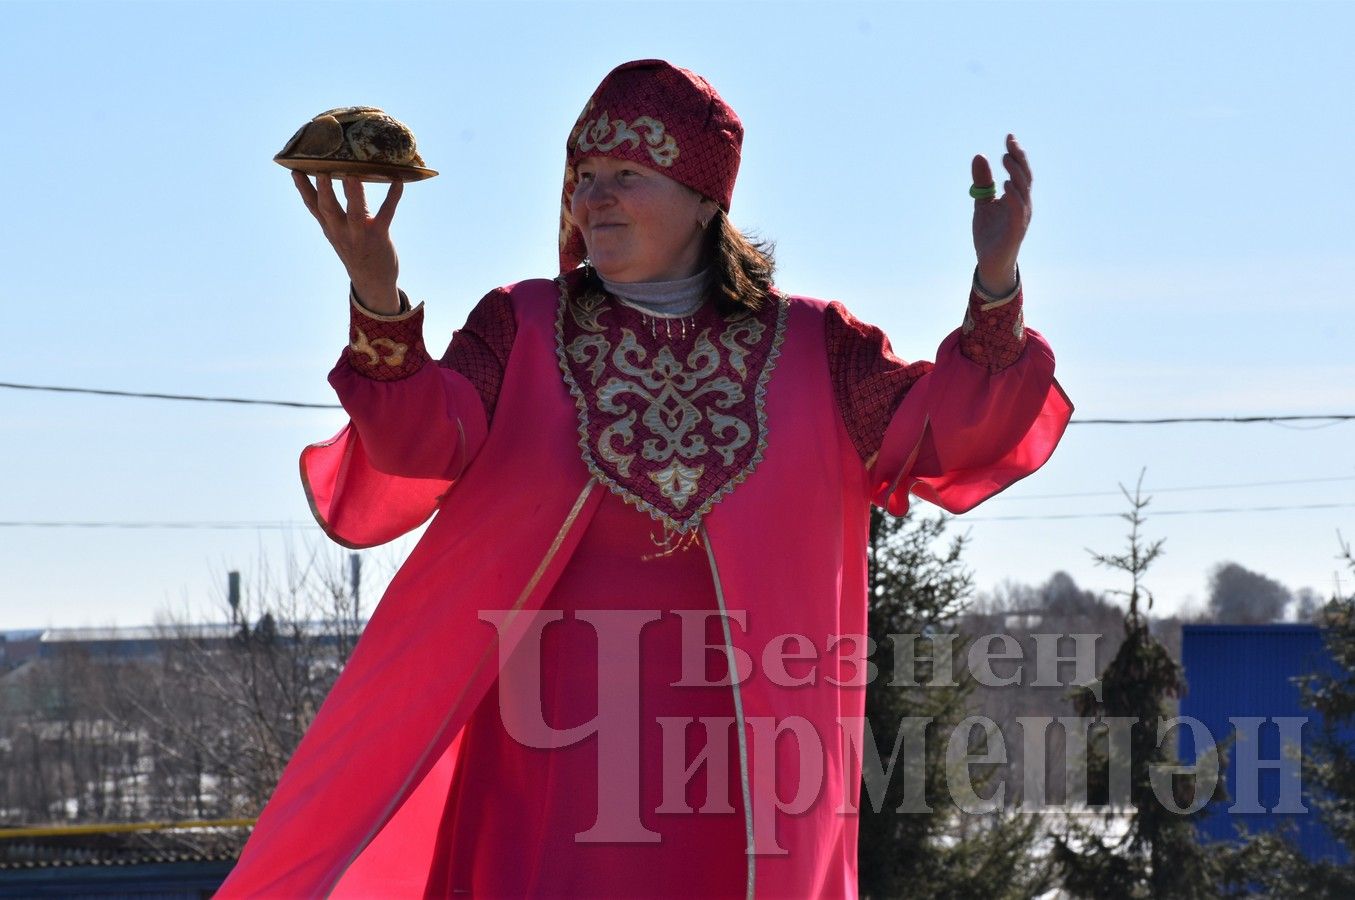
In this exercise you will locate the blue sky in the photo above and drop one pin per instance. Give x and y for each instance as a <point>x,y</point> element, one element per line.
<point>1191,251</point>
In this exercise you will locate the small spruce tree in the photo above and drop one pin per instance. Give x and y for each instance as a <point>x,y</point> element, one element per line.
<point>1159,854</point>
<point>908,847</point>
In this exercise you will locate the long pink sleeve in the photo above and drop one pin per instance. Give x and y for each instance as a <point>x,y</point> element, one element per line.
<point>413,425</point>
<point>987,413</point>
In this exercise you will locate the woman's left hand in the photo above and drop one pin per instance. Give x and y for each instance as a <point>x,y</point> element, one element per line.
<point>1000,223</point>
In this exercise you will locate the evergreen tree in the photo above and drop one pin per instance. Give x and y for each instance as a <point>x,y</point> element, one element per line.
<point>1272,862</point>
<point>914,840</point>
<point>1331,763</point>
<point>1159,854</point>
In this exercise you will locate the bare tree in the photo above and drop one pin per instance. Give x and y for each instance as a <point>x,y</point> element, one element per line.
<point>199,720</point>
<point>226,704</point>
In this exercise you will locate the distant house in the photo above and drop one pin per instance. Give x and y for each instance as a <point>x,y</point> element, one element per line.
<point>129,642</point>
<point>17,647</point>
<point>24,653</point>
<point>127,866</point>
<point>137,642</point>
<point>1241,683</point>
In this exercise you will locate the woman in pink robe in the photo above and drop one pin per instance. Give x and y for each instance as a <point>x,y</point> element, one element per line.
<point>648,474</point>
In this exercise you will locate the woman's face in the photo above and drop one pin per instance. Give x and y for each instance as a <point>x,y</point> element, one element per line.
<point>638,225</point>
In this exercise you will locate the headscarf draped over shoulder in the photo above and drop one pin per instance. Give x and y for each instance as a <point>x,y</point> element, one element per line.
<point>660,116</point>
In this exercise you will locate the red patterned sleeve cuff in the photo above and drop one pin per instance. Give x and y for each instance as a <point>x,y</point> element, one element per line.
<point>994,331</point>
<point>385,348</point>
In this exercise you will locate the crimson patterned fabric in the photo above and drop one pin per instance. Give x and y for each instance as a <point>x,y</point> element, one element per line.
<point>385,348</point>
<point>389,348</point>
<point>671,411</point>
<point>659,116</point>
<point>869,381</point>
<point>993,337</point>
<point>479,349</point>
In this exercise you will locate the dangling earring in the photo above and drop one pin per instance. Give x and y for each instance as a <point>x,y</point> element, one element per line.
<point>591,289</point>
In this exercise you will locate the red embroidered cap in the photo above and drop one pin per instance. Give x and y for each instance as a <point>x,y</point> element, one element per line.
<point>669,119</point>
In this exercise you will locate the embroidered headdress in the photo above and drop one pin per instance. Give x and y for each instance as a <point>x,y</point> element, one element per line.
<point>666,118</point>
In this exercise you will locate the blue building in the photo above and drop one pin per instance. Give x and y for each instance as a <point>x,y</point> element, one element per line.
<point>1241,685</point>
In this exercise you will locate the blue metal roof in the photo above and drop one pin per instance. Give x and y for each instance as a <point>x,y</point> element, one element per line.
<point>1239,671</point>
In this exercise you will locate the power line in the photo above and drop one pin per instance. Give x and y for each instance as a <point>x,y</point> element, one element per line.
<point>173,525</point>
<point>287,525</point>
<point>194,397</point>
<point>962,519</point>
<point>1160,512</point>
<point>1243,420</point>
<point>1169,490</point>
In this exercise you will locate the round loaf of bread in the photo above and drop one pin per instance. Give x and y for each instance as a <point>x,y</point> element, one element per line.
<point>355,140</point>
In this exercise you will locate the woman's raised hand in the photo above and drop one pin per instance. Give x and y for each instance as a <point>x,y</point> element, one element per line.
<point>1000,223</point>
<point>362,241</point>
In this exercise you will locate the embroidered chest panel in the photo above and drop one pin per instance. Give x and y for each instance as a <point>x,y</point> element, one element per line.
<point>672,412</point>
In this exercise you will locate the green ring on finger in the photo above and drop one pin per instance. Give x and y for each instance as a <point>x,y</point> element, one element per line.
<point>983,193</point>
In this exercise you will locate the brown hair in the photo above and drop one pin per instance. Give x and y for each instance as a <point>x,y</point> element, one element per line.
<point>740,267</point>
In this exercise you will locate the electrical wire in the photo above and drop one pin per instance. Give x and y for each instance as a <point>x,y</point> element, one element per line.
<point>259,526</point>
<point>1178,420</point>
<point>193,397</point>
<point>1171,490</point>
<point>1149,514</point>
<point>966,518</point>
<point>1241,420</point>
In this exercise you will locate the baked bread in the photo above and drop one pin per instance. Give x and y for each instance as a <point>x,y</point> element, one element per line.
<point>355,140</point>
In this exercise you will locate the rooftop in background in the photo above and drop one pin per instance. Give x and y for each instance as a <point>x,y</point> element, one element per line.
<point>1238,673</point>
<point>163,864</point>
<point>131,633</point>
<point>20,646</point>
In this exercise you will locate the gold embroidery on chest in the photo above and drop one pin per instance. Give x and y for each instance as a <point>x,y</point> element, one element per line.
<point>675,395</point>
<point>677,482</point>
<point>747,326</point>
<point>671,426</point>
<point>586,310</point>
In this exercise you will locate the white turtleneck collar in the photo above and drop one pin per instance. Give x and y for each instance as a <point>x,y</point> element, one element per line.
<point>665,299</point>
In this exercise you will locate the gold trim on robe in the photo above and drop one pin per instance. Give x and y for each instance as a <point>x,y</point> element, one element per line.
<point>738,716</point>
<point>673,420</point>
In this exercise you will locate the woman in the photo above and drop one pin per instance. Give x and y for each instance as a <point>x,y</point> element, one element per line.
<point>648,473</point>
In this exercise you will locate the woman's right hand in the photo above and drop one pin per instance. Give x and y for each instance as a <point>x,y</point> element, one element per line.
<point>362,241</point>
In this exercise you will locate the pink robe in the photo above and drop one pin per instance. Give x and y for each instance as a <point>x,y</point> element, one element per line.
<point>480,847</point>
<point>366,805</point>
